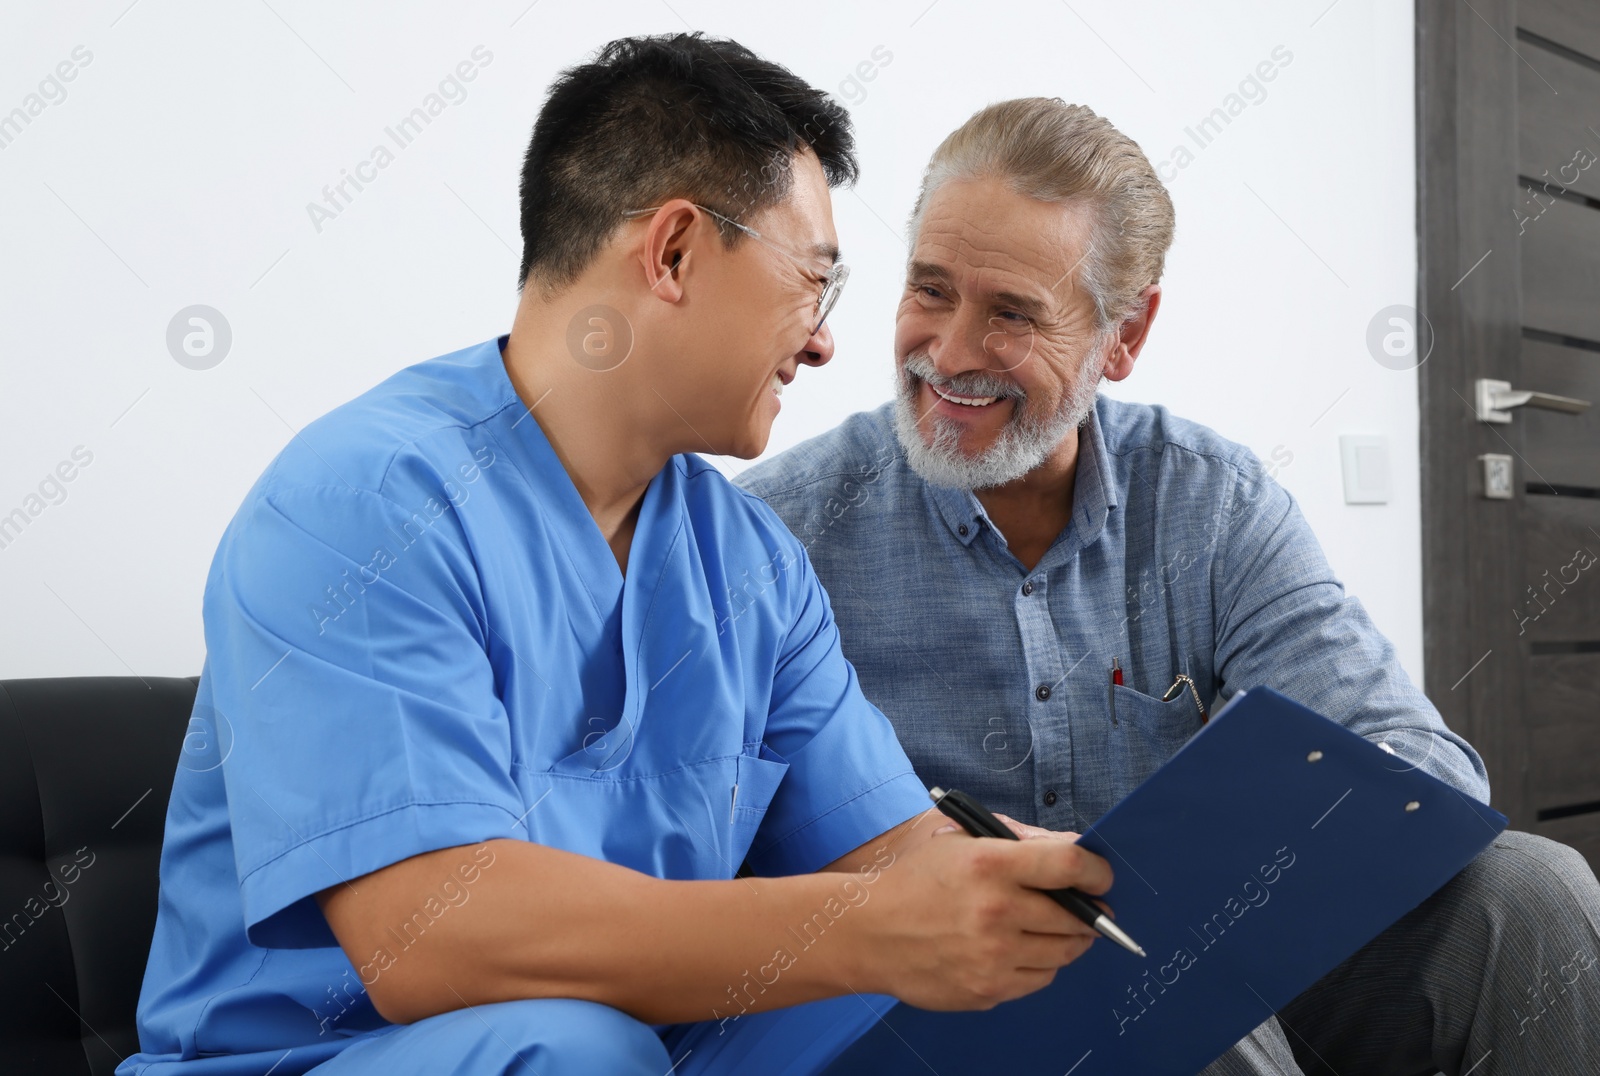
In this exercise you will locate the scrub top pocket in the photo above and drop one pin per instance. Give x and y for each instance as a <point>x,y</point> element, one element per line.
<point>758,778</point>
<point>696,820</point>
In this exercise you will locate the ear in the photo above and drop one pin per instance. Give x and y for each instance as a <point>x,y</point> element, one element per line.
<point>1131,336</point>
<point>664,254</point>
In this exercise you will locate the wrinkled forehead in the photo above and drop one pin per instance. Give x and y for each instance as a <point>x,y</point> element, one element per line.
<point>985,234</point>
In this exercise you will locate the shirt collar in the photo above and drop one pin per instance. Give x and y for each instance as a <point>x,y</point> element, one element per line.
<point>961,511</point>
<point>1093,492</point>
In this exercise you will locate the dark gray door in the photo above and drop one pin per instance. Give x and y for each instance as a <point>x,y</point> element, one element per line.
<point>1509,220</point>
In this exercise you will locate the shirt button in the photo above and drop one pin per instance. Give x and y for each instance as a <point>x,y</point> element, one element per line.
<point>962,530</point>
<point>1050,798</point>
<point>1042,692</point>
<point>1027,588</point>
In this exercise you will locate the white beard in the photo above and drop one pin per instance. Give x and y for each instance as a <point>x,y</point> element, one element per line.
<point>1025,443</point>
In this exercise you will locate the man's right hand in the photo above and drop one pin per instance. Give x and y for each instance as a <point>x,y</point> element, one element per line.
<point>939,920</point>
<point>958,923</point>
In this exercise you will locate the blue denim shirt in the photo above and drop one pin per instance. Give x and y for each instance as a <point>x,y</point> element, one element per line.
<point>1183,555</point>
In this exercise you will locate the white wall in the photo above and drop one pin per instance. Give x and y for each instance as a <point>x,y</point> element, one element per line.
<point>177,169</point>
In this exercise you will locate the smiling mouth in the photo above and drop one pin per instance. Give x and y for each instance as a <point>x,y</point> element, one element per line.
<point>777,384</point>
<point>965,401</point>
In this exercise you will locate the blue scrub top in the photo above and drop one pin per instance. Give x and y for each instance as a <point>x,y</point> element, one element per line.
<point>417,638</point>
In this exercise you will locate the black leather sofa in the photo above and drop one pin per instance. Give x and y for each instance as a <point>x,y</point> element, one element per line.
<point>86,769</point>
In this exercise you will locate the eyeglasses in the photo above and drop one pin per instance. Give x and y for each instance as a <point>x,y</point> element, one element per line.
<point>832,285</point>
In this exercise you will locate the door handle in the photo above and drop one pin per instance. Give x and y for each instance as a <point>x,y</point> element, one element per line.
<point>1497,398</point>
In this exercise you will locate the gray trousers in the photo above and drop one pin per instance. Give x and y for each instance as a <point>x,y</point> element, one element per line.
<point>1498,973</point>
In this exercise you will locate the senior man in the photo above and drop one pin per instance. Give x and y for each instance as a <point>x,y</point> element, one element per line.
<point>999,539</point>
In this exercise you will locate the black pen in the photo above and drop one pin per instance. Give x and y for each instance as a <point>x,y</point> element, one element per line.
<point>975,818</point>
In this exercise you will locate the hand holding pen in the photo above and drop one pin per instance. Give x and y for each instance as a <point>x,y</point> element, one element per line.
<point>978,821</point>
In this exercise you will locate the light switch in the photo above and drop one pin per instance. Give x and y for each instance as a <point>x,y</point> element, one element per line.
<point>1366,468</point>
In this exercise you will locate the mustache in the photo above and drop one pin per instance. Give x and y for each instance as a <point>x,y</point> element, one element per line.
<point>920,365</point>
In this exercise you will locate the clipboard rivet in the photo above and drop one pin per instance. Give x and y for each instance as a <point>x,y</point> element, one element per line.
<point>1314,756</point>
<point>1413,805</point>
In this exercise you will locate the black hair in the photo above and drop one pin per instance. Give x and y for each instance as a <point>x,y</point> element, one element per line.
<point>671,116</point>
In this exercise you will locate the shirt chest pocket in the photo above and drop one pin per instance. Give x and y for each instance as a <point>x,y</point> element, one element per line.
<point>1148,731</point>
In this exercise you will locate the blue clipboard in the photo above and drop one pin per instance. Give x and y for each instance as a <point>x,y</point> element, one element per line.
<point>1273,845</point>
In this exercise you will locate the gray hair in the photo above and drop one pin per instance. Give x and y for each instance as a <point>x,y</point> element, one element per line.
<point>1056,152</point>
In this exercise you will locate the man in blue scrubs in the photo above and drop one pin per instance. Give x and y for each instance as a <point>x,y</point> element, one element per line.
<point>503,686</point>
<point>1022,569</point>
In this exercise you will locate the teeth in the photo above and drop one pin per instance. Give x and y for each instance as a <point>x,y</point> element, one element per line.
<point>969,401</point>
<point>777,385</point>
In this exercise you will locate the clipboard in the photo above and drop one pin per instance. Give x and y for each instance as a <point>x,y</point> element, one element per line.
<point>1271,846</point>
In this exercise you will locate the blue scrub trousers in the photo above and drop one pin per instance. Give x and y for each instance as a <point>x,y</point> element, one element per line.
<point>558,1036</point>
